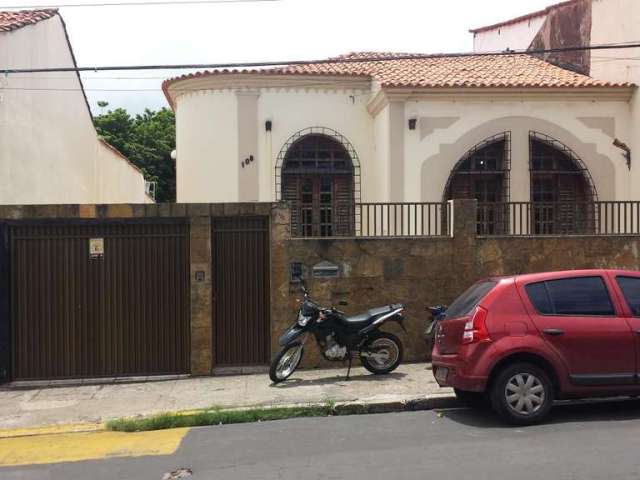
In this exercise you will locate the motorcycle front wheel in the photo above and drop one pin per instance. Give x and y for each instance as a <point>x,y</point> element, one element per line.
<point>384,353</point>
<point>286,362</point>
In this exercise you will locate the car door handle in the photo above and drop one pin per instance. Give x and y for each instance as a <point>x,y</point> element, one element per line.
<point>554,332</point>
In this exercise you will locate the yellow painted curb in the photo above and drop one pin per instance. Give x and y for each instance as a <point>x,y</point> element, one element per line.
<point>51,429</point>
<point>74,447</point>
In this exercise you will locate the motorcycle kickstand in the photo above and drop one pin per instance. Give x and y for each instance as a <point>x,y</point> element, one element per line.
<point>349,368</point>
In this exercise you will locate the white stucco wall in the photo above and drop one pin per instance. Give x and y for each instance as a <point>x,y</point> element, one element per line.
<point>207,138</point>
<point>207,147</point>
<point>116,179</point>
<point>344,112</point>
<point>615,21</point>
<point>208,162</point>
<point>618,21</point>
<point>49,150</point>
<point>517,36</point>
<point>477,120</point>
<point>382,159</point>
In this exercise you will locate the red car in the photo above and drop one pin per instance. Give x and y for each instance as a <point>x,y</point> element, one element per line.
<point>525,340</point>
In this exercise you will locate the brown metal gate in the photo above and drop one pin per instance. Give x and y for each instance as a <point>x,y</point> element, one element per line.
<point>122,310</point>
<point>241,290</point>
<point>5,322</point>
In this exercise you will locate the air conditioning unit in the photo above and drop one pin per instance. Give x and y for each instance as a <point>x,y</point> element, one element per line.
<point>150,189</point>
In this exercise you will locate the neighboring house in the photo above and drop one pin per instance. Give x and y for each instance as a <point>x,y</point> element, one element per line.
<point>569,24</point>
<point>377,127</point>
<point>49,150</point>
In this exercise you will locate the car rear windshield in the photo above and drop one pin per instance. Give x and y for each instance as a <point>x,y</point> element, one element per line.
<point>465,303</point>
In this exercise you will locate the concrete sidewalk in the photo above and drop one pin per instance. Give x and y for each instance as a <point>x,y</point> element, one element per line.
<point>97,403</point>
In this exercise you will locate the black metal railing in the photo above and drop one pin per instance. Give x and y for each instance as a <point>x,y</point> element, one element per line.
<point>373,220</point>
<point>558,218</point>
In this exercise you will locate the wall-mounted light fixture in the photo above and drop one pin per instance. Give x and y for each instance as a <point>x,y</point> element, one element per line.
<point>412,123</point>
<point>268,125</point>
<point>625,148</point>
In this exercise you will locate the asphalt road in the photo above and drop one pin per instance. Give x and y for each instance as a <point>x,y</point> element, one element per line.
<point>595,441</point>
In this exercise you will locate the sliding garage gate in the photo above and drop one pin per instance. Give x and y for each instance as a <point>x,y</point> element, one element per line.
<point>99,299</point>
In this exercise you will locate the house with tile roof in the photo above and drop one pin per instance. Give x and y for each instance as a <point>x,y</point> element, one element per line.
<point>390,127</point>
<point>50,152</point>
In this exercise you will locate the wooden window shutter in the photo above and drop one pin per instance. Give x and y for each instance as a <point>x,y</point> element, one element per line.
<point>344,204</point>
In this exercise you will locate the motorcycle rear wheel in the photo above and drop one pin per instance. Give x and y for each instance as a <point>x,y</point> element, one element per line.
<point>286,362</point>
<point>391,349</point>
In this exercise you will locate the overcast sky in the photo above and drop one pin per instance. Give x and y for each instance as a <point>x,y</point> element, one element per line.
<point>286,29</point>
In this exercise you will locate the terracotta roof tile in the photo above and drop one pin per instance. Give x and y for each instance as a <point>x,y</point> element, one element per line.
<point>13,20</point>
<point>392,70</point>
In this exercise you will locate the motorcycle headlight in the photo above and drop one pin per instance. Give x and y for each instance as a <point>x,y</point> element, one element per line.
<point>303,320</point>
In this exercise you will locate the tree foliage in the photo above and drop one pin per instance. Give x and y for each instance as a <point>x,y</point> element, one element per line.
<point>147,141</point>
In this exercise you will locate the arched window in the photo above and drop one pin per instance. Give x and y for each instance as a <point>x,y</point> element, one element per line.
<point>317,177</point>
<point>562,192</point>
<point>483,173</point>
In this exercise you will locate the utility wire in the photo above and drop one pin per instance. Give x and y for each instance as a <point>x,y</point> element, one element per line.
<point>373,59</point>
<point>149,89</point>
<point>135,3</point>
<point>99,78</point>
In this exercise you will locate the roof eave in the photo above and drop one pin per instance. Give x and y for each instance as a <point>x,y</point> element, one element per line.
<point>619,93</point>
<point>258,80</point>
<point>39,15</point>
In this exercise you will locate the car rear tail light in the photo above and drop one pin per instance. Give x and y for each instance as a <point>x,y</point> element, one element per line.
<point>475,330</point>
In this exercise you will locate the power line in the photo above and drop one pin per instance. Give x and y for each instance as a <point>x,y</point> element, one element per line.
<point>373,59</point>
<point>135,3</point>
<point>85,78</point>
<point>181,89</point>
<point>607,59</point>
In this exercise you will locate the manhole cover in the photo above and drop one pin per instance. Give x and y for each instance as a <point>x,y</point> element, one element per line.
<point>179,473</point>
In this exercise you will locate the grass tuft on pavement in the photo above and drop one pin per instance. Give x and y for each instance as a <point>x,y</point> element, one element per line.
<point>217,416</point>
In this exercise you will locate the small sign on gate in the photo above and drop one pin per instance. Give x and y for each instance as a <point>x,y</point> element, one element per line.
<point>96,247</point>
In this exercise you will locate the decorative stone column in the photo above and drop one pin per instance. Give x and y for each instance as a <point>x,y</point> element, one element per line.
<point>281,307</point>
<point>465,239</point>
<point>201,295</point>
<point>519,179</point>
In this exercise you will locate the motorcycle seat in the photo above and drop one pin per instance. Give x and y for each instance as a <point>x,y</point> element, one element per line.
<point>369,316</point>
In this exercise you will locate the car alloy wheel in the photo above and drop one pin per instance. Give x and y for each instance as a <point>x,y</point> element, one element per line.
<point>524,393</point>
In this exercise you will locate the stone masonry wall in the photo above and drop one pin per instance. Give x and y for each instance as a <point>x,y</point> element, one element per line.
<point>429,271</point>
<point>415,271</point>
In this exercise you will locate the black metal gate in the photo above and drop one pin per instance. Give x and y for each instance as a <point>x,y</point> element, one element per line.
<point>241,291</point>
<point>99,299</point>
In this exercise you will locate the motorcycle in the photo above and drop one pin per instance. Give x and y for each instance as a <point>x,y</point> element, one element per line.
<point>340,337</point>
<point>438,313</point>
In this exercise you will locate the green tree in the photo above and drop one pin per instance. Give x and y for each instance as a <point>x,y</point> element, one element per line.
<point>147,140</point>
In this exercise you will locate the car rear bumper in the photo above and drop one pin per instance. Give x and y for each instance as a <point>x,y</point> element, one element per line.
<point>457,375</point>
